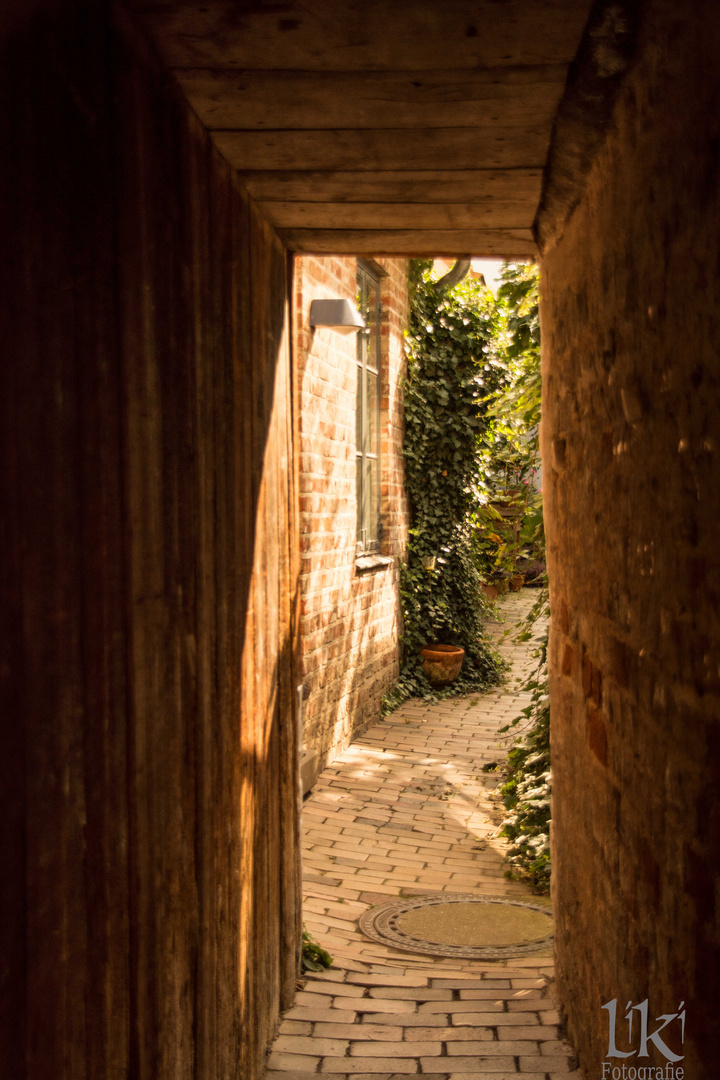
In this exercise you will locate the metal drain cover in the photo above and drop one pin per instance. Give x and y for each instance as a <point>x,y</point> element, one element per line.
<point>466,927</point>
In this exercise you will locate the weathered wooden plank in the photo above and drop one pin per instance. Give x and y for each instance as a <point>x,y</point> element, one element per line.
<point>101,534</point>
<point>185,321</point>
<point>15,324</point>
<point>319,35</point>
<point>128,480</point>
<point>158,320</point>
<point>144,519</point>
<point>49,507</point>
<point>268,295</point>
<point>501,242</point>
<point>289,669</point>
<point>263,100</point>
<point>200,645</point>
<point>63,894</point>
<point>428,186</point>
<point>229,610</point>
<point>386,149</point>
<point>246,494</point>
<point>258,393</point>
<point>488,213</point>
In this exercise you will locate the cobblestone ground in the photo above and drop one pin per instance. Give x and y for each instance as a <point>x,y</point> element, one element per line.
<point>406,810</point>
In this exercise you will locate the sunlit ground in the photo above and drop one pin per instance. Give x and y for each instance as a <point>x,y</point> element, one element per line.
<point>406,810</point>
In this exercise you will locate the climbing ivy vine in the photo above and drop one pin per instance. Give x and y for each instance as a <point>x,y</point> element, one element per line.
<point>453,370</point>
<point>472,410</point>
<point>527,784</point>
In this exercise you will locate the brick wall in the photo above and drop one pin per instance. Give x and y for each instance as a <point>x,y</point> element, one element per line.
<point>350,619</point>
<point>631,338</point>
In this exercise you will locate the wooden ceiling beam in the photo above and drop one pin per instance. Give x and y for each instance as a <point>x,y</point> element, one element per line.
<point>381,186</point>
<point>262,100</point>
<point>404,128</point>
<point>499,214</point>
<point>384,149</point>
<point>353,35</point>
<point>429,242</point>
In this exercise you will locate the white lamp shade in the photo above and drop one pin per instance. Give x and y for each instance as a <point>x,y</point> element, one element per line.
<point>341,315</point>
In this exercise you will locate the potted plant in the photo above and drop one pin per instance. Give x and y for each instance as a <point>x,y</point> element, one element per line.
<point>442,663</point>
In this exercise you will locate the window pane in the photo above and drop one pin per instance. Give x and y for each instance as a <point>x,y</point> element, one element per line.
<point>367,420</point>
<point>371,318</point>
<point>359,487</point>
<point>359,426</point>
<point>369,498</point>
<point>373,434</point>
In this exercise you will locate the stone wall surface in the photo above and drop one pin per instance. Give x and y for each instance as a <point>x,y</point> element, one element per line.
<point>631,444</point>
<point>350,619</point>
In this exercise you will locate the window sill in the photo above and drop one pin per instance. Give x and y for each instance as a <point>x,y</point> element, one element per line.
<point>372,562</point>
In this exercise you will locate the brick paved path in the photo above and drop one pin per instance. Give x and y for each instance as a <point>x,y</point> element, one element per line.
<point>404,811</point>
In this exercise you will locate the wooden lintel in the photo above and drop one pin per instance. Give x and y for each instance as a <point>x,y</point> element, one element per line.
<point>387,149</point>
<point>409,242</point>
<point>486,213</point>
<point>317,35</point>
<point>263,100</point>
<point>382,186</point>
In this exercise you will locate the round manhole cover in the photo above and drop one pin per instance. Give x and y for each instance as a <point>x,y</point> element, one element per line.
<point>466,927</point>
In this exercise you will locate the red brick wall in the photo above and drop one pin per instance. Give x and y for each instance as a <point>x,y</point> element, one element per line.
<point>350,619</point>
<point>631,340</point>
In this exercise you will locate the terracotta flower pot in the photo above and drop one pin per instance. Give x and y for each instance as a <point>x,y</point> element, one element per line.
<point>490,590</point>
<point>441,663</point>
<point>517,582</point>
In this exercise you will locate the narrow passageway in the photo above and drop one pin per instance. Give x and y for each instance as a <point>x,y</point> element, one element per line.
<point>404,811</point>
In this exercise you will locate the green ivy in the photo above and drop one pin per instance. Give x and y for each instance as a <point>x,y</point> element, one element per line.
<point>314,957</point>
<point>510,452</point>
<point>527,786</point>
<point>453,370</point>
<point>472,410</point>
<point>528,779</point>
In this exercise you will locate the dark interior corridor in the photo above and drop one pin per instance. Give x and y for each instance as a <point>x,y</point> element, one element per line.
<point>160,160</point>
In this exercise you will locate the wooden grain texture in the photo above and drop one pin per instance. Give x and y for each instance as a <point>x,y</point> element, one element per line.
<point>364,93</point>
<point>313,35</point>
<point>399,186</point>
<point>147,813</point>
<point>481,242</point>
<point>386,149</point>
<point>497,213</point>
<point>63,976</point>
<point>262,100</point>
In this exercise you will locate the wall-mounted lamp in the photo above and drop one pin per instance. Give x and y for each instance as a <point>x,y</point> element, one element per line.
<point>340,315</point>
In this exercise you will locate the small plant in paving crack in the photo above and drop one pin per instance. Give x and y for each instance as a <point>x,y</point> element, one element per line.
<point>314,957</point>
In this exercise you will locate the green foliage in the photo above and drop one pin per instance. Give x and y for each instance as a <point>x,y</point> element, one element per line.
<point>528,780</point>
<point>515,417</point>
<point>452,371</point>
<point>510,452</point>
<point>472,410</point>
<point>314,957</point>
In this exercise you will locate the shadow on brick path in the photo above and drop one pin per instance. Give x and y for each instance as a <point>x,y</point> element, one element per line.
<point>406,810</point>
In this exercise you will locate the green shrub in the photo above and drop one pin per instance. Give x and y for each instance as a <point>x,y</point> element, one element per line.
<point>451,373</point>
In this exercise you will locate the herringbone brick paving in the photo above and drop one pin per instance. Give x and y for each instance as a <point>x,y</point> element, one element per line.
<point>406,810</point>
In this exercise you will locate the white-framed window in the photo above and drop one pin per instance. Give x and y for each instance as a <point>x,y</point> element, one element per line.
<point>367,413</point>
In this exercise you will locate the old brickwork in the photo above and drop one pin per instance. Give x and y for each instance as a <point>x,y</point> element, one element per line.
<point>631,337</point>
<point>350,618</point>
